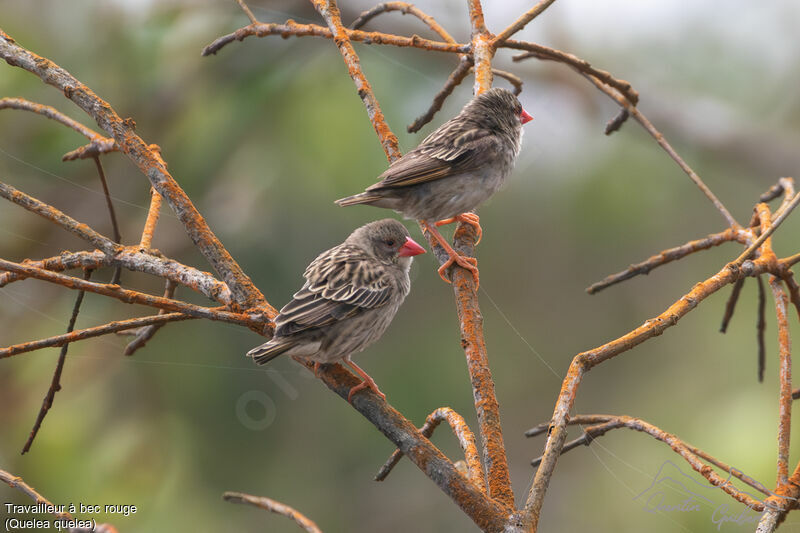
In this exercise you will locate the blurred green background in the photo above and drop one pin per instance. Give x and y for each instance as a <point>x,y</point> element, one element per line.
<point>266,134</point>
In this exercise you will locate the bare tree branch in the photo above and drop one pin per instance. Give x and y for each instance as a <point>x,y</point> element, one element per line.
<point>147,160</point>
<point>273,506</point>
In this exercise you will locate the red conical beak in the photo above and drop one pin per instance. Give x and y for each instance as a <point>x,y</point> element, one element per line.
<point>525,117</point>
<point>410,248</point>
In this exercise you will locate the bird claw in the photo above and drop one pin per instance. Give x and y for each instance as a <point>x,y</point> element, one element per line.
<point>365,385</point>
<point>468,263</point>
<point>467,218</point>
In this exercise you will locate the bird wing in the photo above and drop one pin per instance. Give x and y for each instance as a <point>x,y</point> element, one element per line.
<point>445,152</point>
<point>341,283</point>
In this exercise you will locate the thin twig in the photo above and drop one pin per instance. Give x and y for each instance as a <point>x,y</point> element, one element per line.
<point>98,144</point>
<point>273,506</point>
<point>521,22</point>
<point>149,162</point>
<point>49,112</point>
<point>787,186</point>
<point>146,333</point>
<point>791,284</point>
<point>453,81</point>
<point>133,259</point>
<point>54,215</point>
<point>55,383</point>
<point>772,193</point>
<point>128,296</point>
<point>792,260</point>
<point>785,410</point>
<point>455,78</point>
<point>662,142</point>
<point>488,514</point>
<point>109,203</point>
<point>730,306</point>
<point>778,505</point>
<point>97,331</point>
<point>466,439</point>
<point>765,234</point>
<point>111,213</point>
<point>761,326</point>
<point>584,361</point>
<point>599,425</point>
<point>662,258</point>
<point>59,511</point>
<point>406,9</point>
<point>247,11</point>
<point>16,482</point>
<point>292,28</point>
<point>152,219</point>
<point>546,53</point>
<point>616,123</point>
<point>513,79</point>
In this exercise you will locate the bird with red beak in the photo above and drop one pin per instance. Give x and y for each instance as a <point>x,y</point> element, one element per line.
<point>350,297</point>
<point>454,170</point>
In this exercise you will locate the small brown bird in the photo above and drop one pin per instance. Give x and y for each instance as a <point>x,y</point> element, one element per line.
<point>454,170</point>
<point>350,297</point>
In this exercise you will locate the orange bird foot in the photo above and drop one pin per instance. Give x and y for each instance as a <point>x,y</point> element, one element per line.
<point>469,263</point>
<point>467,218</point>
<point>368,382</point>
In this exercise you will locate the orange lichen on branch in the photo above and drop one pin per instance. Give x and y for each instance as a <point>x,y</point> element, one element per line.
<point>152,219</point>
<point>599,425</point>
<point>291,28</point>
<point>54,114</point>
<point>54,215</point>
<point>768,229</point>
<point>132,258</point>
<point>129,296</point>
<point>583,362</point>
<point>102,145</point>
<point>145,333</point>
<point>785,403</point>
<point>330,12</point>
<point>542,52</point>
<point>488,514</point>
<point>149,161</point>
<point>482,49</point>
<point>667,256</point>
<point>466,439</point>
<point>406,9</point>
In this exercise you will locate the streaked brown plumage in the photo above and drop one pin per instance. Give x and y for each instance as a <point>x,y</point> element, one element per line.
<point>455,169</point>
<point>350,297</point>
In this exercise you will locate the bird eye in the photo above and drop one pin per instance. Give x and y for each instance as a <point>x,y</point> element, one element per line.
<point>389,242</point>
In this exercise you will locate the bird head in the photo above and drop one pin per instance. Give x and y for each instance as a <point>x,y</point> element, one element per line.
<point>387,240</point>
<point>498,108</point>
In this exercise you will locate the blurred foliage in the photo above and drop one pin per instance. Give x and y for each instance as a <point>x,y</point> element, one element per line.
<point>265,135</point>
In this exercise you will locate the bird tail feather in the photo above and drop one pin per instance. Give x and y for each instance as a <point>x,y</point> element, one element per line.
<point>362,198</point>
<point>268,351</point>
